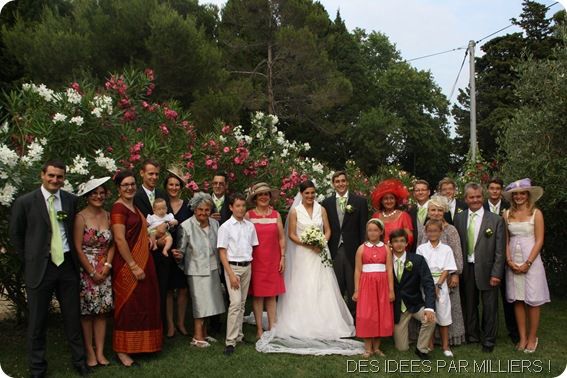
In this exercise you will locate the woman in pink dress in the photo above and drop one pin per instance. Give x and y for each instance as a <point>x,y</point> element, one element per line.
<point>526,284</point>
<point>268,258</point>
<point>387,198</point>
<point>374,289</point>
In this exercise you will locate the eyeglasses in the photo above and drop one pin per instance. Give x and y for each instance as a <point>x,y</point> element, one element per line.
<point>95,194</point>
<point>218,183</point>
<point>125,186</point>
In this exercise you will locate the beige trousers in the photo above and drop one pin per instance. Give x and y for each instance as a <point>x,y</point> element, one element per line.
<point>401,337</point>
<point>237,298</point>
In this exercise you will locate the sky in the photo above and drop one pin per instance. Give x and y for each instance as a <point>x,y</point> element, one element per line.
<point>422,27</point>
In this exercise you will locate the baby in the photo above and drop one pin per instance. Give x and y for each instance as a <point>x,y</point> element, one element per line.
<point>159,217</point>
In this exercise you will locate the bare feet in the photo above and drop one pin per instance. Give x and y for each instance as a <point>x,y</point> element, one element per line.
<point>125,359</point>
<point>182,330</point>
<point>102,360</point>
<point>259,334</point>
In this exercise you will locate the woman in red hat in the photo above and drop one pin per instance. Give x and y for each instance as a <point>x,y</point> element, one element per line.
<point>387,198</point>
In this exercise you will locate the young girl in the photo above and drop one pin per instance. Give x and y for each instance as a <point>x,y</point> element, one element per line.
<point>374,289</point>
<point>441,263</point>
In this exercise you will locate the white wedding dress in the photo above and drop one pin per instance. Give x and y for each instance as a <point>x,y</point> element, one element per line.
<point>312,316</point>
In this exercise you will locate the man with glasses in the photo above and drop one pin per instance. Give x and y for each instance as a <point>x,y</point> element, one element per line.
<point>418,212</point>
<point>221,211</point>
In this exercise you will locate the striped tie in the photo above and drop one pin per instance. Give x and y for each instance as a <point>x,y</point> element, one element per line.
<point>470,234</point>
<point>56,239</point>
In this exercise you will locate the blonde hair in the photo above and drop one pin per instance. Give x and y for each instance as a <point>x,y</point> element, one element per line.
<point>439,201</point>
<point>514,206</point>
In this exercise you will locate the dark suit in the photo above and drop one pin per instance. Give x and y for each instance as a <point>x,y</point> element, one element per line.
<point>30,233</point>
<point>142,202</point>
<point>489,257</point>
<point>352,231</point>
<point>459,207</point>
<point>224,211</point>
<point>417,290</point>
<point>509,315</point>
<point>412,211</point>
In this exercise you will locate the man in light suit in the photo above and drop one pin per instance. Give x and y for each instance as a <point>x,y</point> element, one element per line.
<point>348,214</point>
<point>41,231</point>
<point>144,200</point>
<point>483,243</point>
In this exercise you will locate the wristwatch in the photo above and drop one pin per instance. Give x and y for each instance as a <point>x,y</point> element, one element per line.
<point>440,286</point>
<point>92,274</point>
<point>108,265</point>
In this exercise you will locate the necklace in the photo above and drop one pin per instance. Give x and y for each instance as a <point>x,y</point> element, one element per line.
<point>263,213</point>
<point>390,214</point>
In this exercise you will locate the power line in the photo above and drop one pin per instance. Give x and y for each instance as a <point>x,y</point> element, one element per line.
<point>459,74</point>
<point>439,53</point>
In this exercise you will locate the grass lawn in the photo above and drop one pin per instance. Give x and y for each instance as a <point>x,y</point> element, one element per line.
<point>178,359</point>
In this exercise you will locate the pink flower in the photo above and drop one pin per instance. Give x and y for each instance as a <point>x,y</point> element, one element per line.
<point>150,89</point>
<point>149,73</point>
<point>145,105</point>
<point>205,185</point>
<point>231,176</point>
<point>109,149</point>
<point>124,102</point>
<point>163,128</point>
<point>129,115</point>
<point>76,86</point>
<point>226,150</point>
<point>190,164</point>
<point>170,114</point>
<point>193,186</point>
<point>226,129</point>
<point>187,155</point>
<point>139,130</point>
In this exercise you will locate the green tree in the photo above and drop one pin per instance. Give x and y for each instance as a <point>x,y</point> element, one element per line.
<point>534,143</point>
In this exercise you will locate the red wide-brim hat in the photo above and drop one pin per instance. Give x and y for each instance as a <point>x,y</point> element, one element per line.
<point>389,186</point>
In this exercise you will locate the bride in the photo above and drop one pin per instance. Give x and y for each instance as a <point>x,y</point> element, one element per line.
<point>312,316</point>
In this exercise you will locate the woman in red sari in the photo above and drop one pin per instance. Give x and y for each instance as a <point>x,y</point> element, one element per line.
<point>387,198</point>
<point>137,319</point>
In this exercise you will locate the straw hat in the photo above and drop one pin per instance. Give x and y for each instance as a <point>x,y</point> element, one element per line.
<point>177,172</point>
<point>92,184</point>
<point>523,185</point>
<point>259,188</point>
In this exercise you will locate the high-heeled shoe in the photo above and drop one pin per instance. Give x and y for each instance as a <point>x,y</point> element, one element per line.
<point>529,351</point>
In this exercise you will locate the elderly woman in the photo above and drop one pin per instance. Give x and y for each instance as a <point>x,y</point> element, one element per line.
<point>438,206</point>
<point>526,284</point>
<point>387,198</point>
<point>137,318</point>
<point>268,261</point>
<point>197,254</point>
<point>93,241</point>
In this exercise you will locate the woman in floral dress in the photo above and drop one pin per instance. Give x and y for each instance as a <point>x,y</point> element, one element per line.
<point>93,240</point>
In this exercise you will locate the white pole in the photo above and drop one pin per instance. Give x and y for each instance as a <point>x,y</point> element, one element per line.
<point>472,100</point>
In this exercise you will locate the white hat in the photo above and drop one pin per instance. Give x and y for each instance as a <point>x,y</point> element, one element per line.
<point>91,185</point>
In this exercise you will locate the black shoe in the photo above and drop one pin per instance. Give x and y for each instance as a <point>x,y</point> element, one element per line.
<point>421,355</point>
<point>83,370</point>
<point>487,349</point>
<point>229,350</point>
<point>134,364</point>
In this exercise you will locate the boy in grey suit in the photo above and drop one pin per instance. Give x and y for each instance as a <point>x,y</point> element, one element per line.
<point>483,244</point>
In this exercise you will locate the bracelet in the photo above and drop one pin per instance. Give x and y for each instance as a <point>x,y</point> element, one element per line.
<point>132,264</point>
<point>528,263</point>
<point>440,286</point>
<point>92,274</point>
<point>108,265</point>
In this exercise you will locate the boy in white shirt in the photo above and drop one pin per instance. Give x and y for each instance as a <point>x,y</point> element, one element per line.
<point>236,237</point>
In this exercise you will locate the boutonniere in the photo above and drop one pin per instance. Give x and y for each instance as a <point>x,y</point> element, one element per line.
<point>409,266</point>
<point>61,215</point>
<point>349,209</point>
<point>488,232</point>
<point>459,210</point>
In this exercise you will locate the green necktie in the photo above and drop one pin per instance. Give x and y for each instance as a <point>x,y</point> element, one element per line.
<point>56,240</point>
<point>152,198</point>
<point>218,203</point>
<point>342,203</point>
<point>400,270</point>
<point>470,234</point>
<point>493,209</point>
<point>421,213</point>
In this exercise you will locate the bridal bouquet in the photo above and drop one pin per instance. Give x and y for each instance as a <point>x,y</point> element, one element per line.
<point>313,236</point>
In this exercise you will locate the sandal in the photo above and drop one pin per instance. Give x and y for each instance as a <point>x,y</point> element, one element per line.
<point>378,352</point>
<point>210,339</point>
<point>366,354</point>
<point>200,343</point>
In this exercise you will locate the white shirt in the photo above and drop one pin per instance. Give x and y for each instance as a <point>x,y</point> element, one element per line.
<point>478,221</point>
<point>425,205</point>
<point>58,207</point>
<point>339,196</point>
<point>238,238</point>
<point>155,220</point>
<point>439,259</point>
<point>149,192</point>
<point>496,207</point>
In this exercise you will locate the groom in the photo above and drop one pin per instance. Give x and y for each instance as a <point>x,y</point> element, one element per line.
<point>348,214</point>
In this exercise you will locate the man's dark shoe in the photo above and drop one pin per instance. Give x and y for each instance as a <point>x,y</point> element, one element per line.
<point>83,370</point>
<point>229,350</point>
<point>421,355</point>
<point>487,349</point>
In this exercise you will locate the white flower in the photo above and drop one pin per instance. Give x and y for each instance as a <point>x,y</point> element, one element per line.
<point>27,86</point>
<point>44,92</point>
<point>35,153</point>
<point>7,156</point>
<point>258,116</point>
<point>97,112</point>
<point>284,152</point>
<point>105,162</point>
<point>79,166</point>
<point>7,194</point>
<point>4,128</point>
<point>247,139</point>
<point>73,96</point>
<point>58,117</point>
<point>320,197</point>
<point>306,146</point>
<point>222,138</point>
<point>78,120</point>
<point>273,119</point>
<point>67,186</point>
